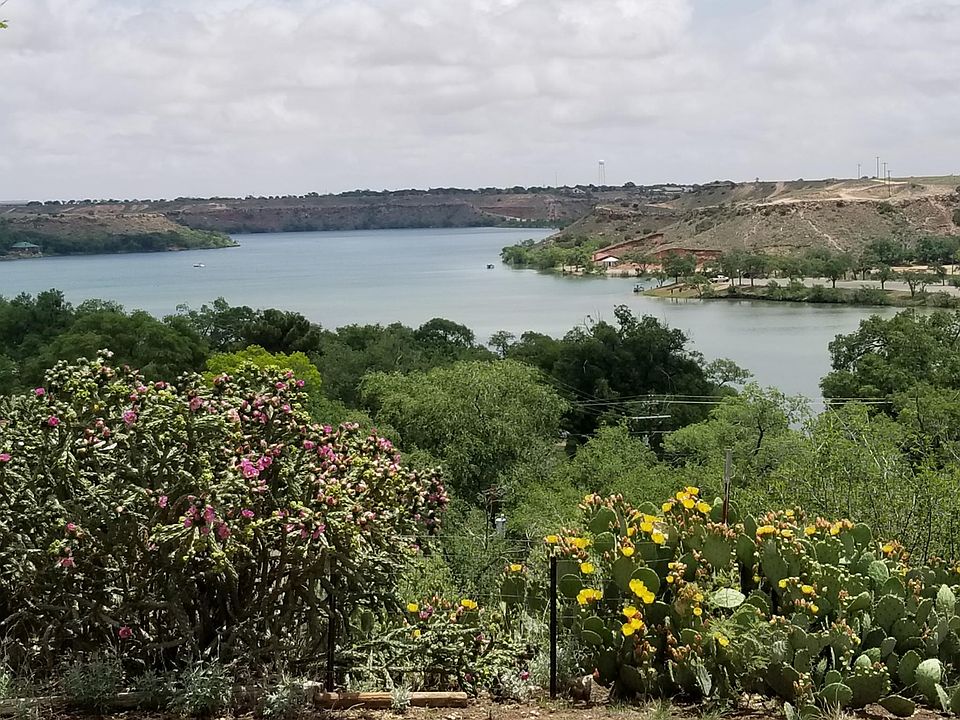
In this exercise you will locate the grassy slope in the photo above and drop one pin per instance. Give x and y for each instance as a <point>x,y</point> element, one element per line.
<point>784,217</point>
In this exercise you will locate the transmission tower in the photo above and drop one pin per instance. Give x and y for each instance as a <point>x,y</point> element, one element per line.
<point>602,172</point>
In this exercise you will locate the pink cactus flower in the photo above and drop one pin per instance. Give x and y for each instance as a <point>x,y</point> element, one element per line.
<point>125,633</point>
<point>129,417</point>
<point>247,513</point>
<point>223,532</point>
<point>162,501</point>
<point>67,562</point>
<point>71,527</point>
<point>4,457</point>
<point>195,404</point>
<point>53,421</point>
<point>39,392</point>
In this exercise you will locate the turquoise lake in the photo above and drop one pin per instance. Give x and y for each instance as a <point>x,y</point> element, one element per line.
<point>383,276</point>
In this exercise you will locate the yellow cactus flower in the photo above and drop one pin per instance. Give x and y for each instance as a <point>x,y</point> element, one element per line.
<point>698,597</point>
<point>587,499</point>
<point>722,640</point>
<point>468,604</point>
<point>658,537</point>
<point>588,595</point>
<point>417,633</point>
<point>514,567</point>
<point>650,518</point>
<point>810,530</point>
<point>629,611</point>
<point>807,589</point>
<point>692,490</point>
<point>413,607</point>
<point>669,579</point>
<point>814,609</point>
<point>782,584</point>
<point>766,530</point>
<point>636,622</point>
<point>631,531</point>
<point>698,611</point>
<point>627,629</point>
<point>551,539</point>
<point>453,617</point>
<point>703,507</point>
<point>789,513</point>
<point>680,495</point>
<point>689,503</point>
<point>627,550</point>
<point>640,590</point>
<point>586,568</point>
<point>786,532</point>
<point>580,543</point>
<point>667,507</point>
<point>887,549</point>
<point>646,527</point>
<point>835,529</point>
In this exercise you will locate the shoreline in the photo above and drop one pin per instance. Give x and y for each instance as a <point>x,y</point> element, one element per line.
<point>817,294</point>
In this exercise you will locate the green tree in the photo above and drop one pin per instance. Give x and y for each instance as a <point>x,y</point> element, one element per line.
<point>836,267</point>
<point>885,273</point>
<point>732,264</point>
<point>883,357</point>
<point>501,341</point>
<point>916,281</point>
<point>756,265</point>
<point>678,265</point>
<point>482,420</point>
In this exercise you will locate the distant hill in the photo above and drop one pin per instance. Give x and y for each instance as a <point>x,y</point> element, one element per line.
<point>780,217</point>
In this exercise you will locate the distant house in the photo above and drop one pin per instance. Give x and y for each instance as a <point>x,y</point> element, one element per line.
<point>610,261</point>
<point>25,249</point>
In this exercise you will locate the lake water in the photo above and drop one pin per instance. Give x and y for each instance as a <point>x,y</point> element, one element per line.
<point>410,276</point>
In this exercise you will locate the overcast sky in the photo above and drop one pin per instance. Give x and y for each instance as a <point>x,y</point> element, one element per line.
<point>161,98</point>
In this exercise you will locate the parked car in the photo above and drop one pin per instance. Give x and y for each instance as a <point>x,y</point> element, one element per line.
<point>719,279</point>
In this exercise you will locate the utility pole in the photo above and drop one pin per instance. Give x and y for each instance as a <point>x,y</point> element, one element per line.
<point>884,176</point>
<point>877,176</point>
<point>858,171</point>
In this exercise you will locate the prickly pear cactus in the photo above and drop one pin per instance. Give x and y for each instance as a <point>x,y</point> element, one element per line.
<point>666,599</point>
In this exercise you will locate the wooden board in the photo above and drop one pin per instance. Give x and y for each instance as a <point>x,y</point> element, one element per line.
<point>383,700</point>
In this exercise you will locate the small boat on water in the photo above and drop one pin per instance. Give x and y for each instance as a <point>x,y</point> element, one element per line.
<point>199,265</point>
<point>489,266</point>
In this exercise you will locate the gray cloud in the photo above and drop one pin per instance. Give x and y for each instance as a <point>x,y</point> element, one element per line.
<point>150,98</point>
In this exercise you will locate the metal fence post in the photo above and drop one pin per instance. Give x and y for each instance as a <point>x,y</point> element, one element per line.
<point>332,633</point>
<point>553,627</point>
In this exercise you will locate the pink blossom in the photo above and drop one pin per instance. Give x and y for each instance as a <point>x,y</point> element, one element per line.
<point>4,457</point>
<point>223,532</point>
<point>209,514</point>
<point>205,530</point>
<point>66,562</point>
<point>280,385</point>
<point>327,429</point>
<point>195,404</point>
<point>247,513</point>
<point>299,383</point>
<point>39,392</point>
<point>309,444</point>
<point>248,469</point>
<point>524,676</point>
<point>53,421</point>
<point>286,408</point>
<point>129,417</point>
<point>187,522</point>
<point>265,462</point>
<point>125,633</point>
<point>162,501</point>
<point>71,527</point>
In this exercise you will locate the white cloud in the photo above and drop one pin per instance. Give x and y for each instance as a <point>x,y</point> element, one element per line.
<point>134,98</point>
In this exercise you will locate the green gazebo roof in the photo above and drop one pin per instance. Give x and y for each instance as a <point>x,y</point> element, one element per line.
<point>24,246</point>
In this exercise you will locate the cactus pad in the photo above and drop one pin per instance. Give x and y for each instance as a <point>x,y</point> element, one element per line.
<point>898,705</point>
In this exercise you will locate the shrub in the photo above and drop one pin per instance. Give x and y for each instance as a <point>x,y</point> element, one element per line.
<point>285,699</point>
<point>202,690</point>
<point>176,521</point>
<point>92,684</point>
